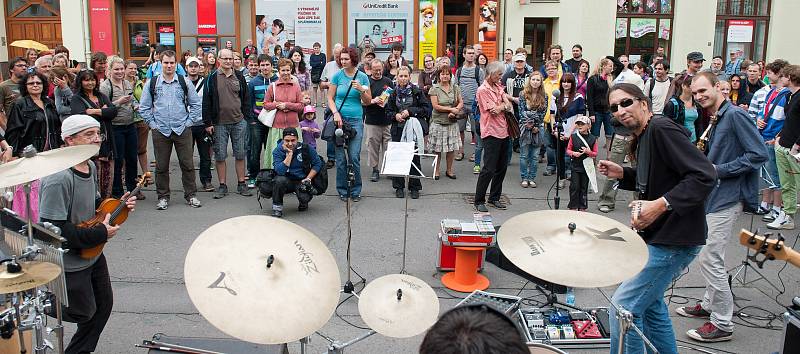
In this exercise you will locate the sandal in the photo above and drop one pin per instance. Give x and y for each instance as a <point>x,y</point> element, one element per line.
<point>459,157</point>
<point>450,176</point>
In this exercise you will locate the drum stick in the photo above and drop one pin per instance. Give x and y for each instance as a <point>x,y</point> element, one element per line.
<point>166,349</point>
<point>170,345</point>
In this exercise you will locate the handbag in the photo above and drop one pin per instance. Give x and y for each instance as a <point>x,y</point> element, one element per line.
<point>512,125</point>
<point>329,126</point>
<point>267,117</point>
<point>588,166</point>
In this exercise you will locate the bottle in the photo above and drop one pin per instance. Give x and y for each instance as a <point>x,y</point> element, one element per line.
<point>570,298</point>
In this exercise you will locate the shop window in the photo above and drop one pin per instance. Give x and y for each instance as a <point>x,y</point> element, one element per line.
<point>32,8</point>
<point>642,26</point>
<point>741,28</point>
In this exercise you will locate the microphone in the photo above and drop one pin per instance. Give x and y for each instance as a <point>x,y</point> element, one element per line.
<point>339,132</point>
<point>556,93</point>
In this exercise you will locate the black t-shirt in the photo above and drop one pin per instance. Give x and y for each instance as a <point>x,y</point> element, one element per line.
<point>375,114</point>
<point>752,88</point>
<point>518,81</point>
<point>790,134</point>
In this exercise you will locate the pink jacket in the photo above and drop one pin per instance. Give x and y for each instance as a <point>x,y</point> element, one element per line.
<point>489,96</point>
<point>289,93</point>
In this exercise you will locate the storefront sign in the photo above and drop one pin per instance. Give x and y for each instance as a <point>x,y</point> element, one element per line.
<point>206,16</point>
<point>100,24</point>
<point>427,28</point>
<point>642,26</point>
<point>278,22</point>
<point>740,31</point>
<point>378,25</point>
<point>487,28</point>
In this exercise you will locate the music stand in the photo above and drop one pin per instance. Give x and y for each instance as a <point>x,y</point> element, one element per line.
<point>398,161</point>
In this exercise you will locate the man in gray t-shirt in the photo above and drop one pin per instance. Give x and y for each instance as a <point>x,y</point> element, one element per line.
<point>465,79</point>
<point>66,199</point>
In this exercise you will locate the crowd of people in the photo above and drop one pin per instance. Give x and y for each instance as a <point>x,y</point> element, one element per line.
<point>560,115</point>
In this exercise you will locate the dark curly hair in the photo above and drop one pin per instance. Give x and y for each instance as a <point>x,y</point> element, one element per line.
<point>23,84</point>
<point>301,67</point>
<point>83,75</point>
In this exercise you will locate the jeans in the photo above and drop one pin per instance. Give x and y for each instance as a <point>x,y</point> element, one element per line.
<point>90,301</point>
<point>603,118</point>
<point>578,189</point>
<point>330,150</point>
<point>476,128</point>
<point>550,147</point>
<point>282,185</point>
<point>643,296</point>
<point>608,195</point>
<point>200,137</point>
<point>774,180</point>
<point>126,148</point>
<point>493,170</point>
<point>528,161</point>
<point>354,155</point>
<point>789,172</point>
<point>258,135</point>
<point>718,299</point>
<point>237,133</point>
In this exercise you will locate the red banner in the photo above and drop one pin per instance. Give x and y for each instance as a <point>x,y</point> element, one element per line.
<point>100,26</point>
<point>206,16</point>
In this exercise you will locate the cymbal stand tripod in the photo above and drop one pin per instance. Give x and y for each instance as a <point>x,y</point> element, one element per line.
<point>745,265</point>
<point>337,347</point>
<point>625,320</point>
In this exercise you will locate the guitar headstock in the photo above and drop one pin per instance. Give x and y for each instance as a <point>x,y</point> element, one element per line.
<point>144,179</point>
<point>771,248</point>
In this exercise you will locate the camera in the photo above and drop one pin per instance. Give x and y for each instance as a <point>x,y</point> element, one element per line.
<point>347,133</point>
<point>306,187</point>
<point>209,138</point>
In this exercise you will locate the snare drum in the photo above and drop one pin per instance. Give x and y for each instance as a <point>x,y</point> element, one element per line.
<point>538,348</point>
<point>11,345</point>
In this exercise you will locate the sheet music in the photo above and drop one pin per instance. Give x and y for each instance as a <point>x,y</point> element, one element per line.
<point>398,157</point>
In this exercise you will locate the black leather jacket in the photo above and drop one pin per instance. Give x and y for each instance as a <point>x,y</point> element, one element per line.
<point>29,124</point>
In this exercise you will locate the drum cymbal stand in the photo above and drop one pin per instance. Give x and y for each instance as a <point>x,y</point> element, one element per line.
<point>337,347</point>
<point>625,320</point>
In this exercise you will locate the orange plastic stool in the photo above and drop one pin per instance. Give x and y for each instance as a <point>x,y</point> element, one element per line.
<point>465,278</point>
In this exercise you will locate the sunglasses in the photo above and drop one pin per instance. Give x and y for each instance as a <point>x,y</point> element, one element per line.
<point>624,104</point>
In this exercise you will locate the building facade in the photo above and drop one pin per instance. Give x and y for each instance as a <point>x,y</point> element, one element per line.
<point>756,29</point>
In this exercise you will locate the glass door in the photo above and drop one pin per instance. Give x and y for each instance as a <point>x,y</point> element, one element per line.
<point>138,42</point>
<point>143,32</point>
<point>456,39</point>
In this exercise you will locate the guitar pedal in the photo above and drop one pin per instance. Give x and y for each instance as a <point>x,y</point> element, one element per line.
<point>539,334</point>
<point>553,333</point>
<point>568,332</point>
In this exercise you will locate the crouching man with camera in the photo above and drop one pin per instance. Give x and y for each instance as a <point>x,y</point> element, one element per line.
<point>295,165</point>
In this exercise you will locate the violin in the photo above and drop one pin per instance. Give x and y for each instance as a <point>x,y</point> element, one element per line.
<point>119,213</point>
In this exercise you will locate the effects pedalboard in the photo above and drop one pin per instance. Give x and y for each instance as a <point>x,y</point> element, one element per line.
<point>563,328</point>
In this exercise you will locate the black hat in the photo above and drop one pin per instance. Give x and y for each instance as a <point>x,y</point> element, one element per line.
<point>290,131</point>
<point>695,56</point>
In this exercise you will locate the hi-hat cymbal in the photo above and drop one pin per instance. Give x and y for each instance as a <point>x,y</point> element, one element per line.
<point>398,305</point>
<point>33,274</point>
<point>262,279</point>
<point>27,169</point>
<point>600,252</point>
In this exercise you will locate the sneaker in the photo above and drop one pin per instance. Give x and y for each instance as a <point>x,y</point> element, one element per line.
<point>498,204</point>
<point>695,311</point>
<point>782,222</point>
<point>762,210</point>
<point>162,204</point>
<point>770,215</point>
<point>708,332</point>
<point>472,158</point>
<point>194,202</point>
<point>532,184</point>
<point>605,209</point>
<point>242,189</point>
<point>208,187</point>
<point>330,164</point>
<point>562,183</point>
<point>476,170</point>
<point>222,191</point>
<point>399,193</point>
<point>356,199</point>
<point>251,183</point>
<point>523,184</point>
<point>375,176</point>
<point>343,198</point>
<point>302,207</point>
<point>481,208</point>
<point>414,194</point>
<point>277,213</point>
<point>548,173</point>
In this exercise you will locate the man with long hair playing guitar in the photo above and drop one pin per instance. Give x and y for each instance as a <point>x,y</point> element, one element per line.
<point>68,198</point>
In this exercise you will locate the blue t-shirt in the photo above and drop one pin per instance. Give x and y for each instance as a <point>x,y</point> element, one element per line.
<point>691,115</point>
<point>352,106</point>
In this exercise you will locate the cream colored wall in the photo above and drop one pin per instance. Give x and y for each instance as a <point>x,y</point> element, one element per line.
<point>337,23</point>
<point>72,28</point>
<point>781,36</point>
<point>589,23</point>
<point>3,37</point>
<point>693,30</point>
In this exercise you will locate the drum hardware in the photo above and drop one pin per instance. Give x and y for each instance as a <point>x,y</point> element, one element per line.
<point>625,320</point>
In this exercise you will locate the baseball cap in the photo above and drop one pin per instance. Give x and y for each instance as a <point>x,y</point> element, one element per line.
<point>519,57</point>
<point>309,109</point>
<point>583,119</point>
<point>695,56</point>
<point>290,131</point>
<point>191,60</point>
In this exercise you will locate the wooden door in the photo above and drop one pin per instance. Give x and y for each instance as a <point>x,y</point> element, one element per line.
<point>34,19</point>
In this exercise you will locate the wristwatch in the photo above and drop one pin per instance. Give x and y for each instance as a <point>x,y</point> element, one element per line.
<point>668,205</point>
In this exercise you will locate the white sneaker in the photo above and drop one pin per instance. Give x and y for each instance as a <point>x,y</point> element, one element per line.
<point>782,222</point>
<point>194,202</point>
<point>771,215</point>
<point>162,204</point>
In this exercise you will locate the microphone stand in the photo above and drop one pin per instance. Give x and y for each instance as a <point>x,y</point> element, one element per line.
<point>559,130</point>
<point>349,287</point>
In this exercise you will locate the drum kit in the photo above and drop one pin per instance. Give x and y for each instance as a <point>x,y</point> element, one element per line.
<point>32,282</point>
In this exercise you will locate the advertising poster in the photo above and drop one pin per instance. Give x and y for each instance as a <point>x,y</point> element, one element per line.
<point>427,28</point>
<point>378,25</point>
<point>278,22</point>
<point>206,17</point>
<point>740,31</point>
<point>487,28</point>
<point>642,26</point>
<point>101,26</point>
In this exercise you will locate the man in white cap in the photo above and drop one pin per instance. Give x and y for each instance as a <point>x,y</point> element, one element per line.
<point>66,199</point>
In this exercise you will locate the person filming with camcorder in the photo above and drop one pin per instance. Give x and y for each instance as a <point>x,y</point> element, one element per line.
<point>295,166</point>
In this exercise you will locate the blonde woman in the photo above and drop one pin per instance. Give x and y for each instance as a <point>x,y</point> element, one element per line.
<point>597,97</point>
<point>533,105</point>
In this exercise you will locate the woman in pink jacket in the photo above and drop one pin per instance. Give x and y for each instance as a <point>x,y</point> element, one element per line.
<point>285,96</point>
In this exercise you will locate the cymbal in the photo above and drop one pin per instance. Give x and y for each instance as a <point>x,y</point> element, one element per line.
<point>233,284</point>
<point>33,274</point>
<point>600,252</point>
<point>415,311</point>
<point>27,169</point>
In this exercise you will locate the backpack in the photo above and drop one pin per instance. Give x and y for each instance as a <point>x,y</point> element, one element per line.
<point>184,87</point>
<point>477,75</point>
<point>320,181</point>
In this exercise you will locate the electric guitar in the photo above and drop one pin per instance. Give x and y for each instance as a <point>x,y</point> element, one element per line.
<point>772,248</point>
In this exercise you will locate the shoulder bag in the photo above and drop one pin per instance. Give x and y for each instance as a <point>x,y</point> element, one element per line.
<point>267,116</point>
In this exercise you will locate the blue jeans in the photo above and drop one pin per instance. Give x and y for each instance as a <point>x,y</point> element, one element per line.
<point>643,296</point>
<point>126,147</point>
<point>354,154</point>
<point>550,147</point>
<point>603,118</point>
<point>772,169</point>
<point>258,136</point>
<point>528,161</point>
